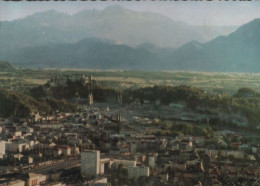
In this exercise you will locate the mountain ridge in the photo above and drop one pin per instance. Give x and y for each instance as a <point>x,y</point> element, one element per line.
<point>114,22</point>
<point>87,53</point>
<point>237,52</point>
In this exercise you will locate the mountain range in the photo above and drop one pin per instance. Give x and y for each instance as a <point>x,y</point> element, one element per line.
<point>236,52</point>
<point>114,22</point>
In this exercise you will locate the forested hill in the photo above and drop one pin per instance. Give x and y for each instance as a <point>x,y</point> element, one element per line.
<point>13,104</point>
<point>6,66</point>
<point>245,102</point>
<point>68,92</point>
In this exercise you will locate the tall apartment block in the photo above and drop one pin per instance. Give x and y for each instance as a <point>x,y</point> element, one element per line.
<point>90,160</point>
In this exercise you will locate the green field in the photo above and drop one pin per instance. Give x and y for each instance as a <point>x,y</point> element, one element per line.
<point>219,83</point>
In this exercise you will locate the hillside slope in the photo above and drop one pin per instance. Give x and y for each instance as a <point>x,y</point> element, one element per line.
<point>237,52</point>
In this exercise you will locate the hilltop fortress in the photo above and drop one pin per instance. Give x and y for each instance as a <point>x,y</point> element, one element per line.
<point>84,79</point>
<point>62,80</point>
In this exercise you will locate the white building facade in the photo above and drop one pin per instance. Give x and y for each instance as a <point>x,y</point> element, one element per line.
<point>2,147</point>
<point>90,160</point>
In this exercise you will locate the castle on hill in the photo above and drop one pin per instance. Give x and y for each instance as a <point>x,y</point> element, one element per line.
<point>62,80</point>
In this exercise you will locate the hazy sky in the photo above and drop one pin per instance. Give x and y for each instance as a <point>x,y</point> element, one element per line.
<point>195,13</point>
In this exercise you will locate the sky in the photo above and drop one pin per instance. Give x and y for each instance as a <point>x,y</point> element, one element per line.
<point>215,13</point>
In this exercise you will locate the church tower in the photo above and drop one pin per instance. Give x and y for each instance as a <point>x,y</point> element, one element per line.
<point>90,99</point>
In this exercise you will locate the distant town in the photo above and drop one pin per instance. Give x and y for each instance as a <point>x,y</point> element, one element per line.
<point>114,143</point>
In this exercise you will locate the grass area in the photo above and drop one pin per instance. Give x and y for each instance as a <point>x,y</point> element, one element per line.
<point>35,81</point>
<point>221,83</point>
